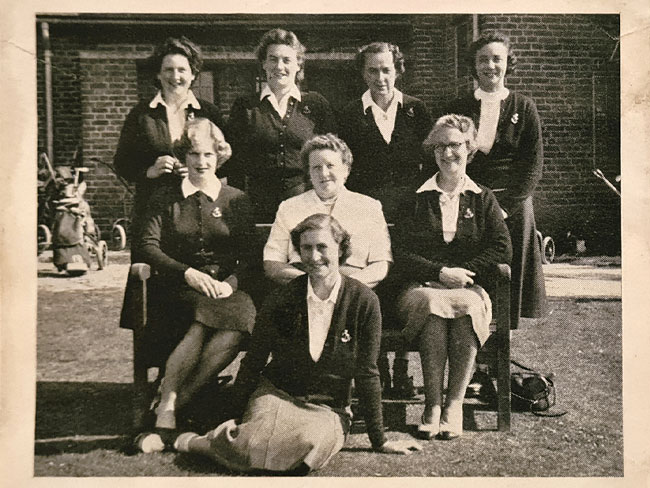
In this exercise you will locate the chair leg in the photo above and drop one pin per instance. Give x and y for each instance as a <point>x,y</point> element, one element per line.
<point>503,383</point>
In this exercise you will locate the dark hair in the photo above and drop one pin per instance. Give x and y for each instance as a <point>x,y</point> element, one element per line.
<point>173,45</point>
<point>323,221</point>
<point>452,121</point>
<point>325,141</point>
<point>281,36</point>
<point>381,47</point>
<point>194,129</point>
<point>488,38</point>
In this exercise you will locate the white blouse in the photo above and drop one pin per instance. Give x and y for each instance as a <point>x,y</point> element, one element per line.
<point>490,110</point>
<point>449,202</point>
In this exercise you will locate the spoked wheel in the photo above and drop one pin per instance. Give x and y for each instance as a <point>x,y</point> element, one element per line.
<point>119,237</point>
<point>548,250</point>
<point>102,254</point>
<point>44,237</point>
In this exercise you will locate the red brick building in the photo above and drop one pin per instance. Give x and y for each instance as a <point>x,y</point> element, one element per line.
<point>568,63</point>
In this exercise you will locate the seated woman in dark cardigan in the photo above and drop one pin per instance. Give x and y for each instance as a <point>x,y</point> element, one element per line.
<point>322,331</point>
<point>446,247</point>
<point>199,243</point>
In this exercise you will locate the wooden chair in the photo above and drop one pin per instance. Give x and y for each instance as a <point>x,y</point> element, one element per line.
<point>139,317</point>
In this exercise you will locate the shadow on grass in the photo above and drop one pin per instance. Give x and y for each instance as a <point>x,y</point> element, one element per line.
<point>80,417</point>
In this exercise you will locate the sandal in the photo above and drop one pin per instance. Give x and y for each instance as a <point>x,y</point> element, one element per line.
<point>429,430</point>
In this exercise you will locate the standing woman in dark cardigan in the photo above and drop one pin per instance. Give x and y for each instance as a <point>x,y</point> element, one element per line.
<point>509,160</point>
<point>385,129</point>
<point>267,129</point>
<point>145,154</point>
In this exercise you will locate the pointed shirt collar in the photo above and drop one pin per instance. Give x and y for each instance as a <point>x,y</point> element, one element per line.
<point>190,100</point>
<point>212,190</point>
<point>333,295</point>
<point>367,101</point>
<point>266,92</point>
<point>464,186</point>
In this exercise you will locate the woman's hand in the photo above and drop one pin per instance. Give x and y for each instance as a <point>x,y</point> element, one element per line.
<point>224,151</point>
<point>456,277</point>
<point>204,283</point>
<point>164,164</point>
<point>403,446</point>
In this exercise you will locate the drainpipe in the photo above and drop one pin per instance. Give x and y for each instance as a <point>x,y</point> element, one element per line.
<point>45,32</point>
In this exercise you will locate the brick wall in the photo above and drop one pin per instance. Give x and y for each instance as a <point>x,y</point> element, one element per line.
<point>564,64</point>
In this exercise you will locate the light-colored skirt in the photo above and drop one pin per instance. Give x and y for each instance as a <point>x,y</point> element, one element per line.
<point>277,433</point>
<point>416,304</point>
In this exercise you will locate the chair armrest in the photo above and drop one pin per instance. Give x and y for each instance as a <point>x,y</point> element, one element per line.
<point>140,271</point>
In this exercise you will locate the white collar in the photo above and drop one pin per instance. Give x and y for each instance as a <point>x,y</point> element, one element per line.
<point>213,190</point>
<point>190,100</point>
<point>466,185</point>
<point>266,92</point>
<point>367,101</point>
<point>499,95</point>
<point>333,295</point>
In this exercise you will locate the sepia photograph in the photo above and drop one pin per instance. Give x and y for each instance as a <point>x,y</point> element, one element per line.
<point>339,245</point>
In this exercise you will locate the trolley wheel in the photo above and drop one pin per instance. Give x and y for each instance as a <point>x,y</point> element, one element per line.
<point>548,250</point>
<point>119,237</point>
<point>102,254</point>
<point>44,237</point>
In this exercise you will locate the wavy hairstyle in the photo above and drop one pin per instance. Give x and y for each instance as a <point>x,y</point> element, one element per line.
<point>452,121</point>
<point>281,36</point>
<point>381,47</point>
<point>323,221</point>
<point>325,141</point>
<point>488,38</point>
<point>176,45</point>
<point>197,128</point>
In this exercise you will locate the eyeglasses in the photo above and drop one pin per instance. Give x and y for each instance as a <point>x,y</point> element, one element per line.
<point>454,146</point>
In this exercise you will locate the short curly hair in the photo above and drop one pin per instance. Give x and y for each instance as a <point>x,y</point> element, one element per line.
<point>176,45</point>
<point>452,121</point>
<point>325,141</point>
<point>195,129</point>
<point>488,38</point>
<point>323,221</point>
<point>281,36</point>
<point>381,47</point>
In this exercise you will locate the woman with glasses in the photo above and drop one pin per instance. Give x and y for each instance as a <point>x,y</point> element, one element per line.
<point>446,246</point>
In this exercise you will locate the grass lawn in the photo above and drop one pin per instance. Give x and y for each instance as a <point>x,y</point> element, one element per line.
<point>83,402</point>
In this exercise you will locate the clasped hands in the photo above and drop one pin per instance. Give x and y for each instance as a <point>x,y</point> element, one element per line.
<point>206,284</point>
<point>456,277</point>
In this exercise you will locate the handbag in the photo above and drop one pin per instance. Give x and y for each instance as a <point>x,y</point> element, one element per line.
<point>532,391</point>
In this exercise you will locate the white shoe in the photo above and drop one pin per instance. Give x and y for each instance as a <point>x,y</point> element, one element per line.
<point>182,442</point>
<point>149,442</point>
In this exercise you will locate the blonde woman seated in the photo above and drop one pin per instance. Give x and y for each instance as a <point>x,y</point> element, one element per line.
<point>198,239</point>
<point>328,160</point>
<point>446,247</point>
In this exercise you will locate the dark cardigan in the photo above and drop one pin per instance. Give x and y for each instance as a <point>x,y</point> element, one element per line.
<point>180,233</point>
<point>266,148</point>
<point>516,159</point>
<point>482,240</point>
<point>282,330</point>
<point>144,138</point>
<point>376,163</point>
